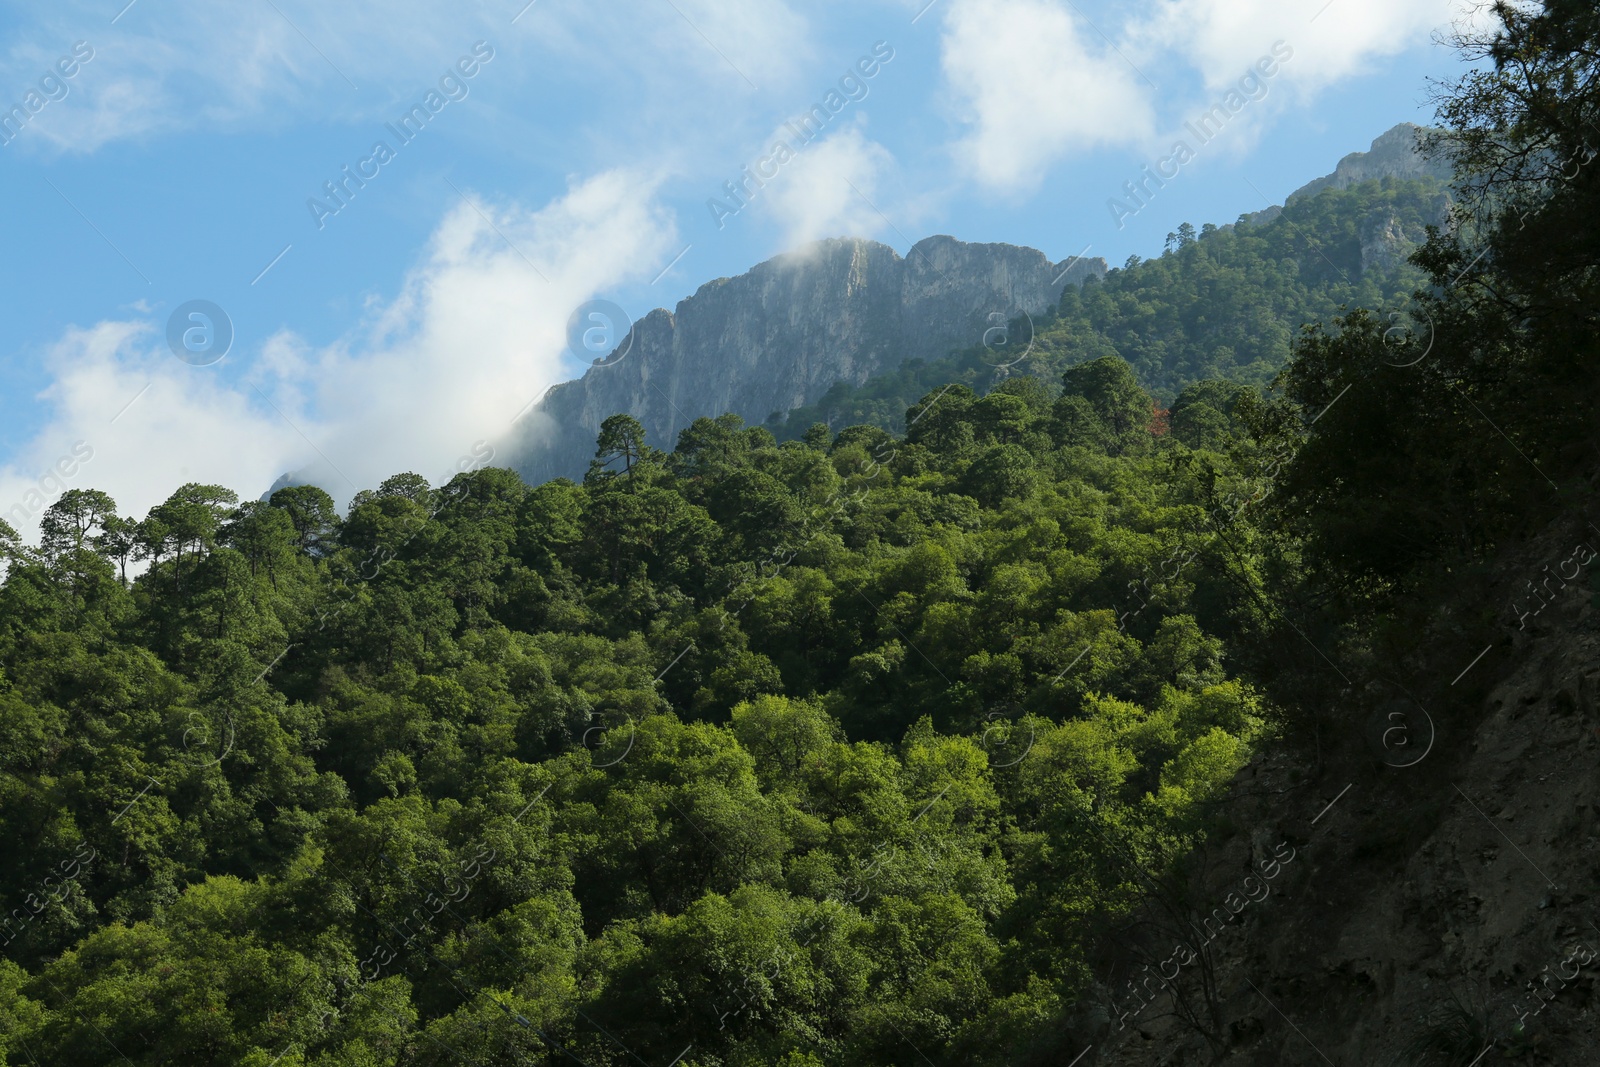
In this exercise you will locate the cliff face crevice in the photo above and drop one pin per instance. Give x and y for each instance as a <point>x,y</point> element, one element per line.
<point>779,335</point>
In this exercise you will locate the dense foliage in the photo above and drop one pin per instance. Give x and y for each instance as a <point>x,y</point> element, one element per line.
<point>835,751</point>
<point>1469,424</point>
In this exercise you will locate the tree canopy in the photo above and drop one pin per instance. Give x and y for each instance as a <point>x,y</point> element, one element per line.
<point>761,750</point>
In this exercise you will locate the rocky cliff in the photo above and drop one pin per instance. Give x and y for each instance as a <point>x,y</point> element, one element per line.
<point>781,334</point>
<point>1386,239</point>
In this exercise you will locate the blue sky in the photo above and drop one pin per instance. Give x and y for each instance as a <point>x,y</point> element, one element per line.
<point>575,162</point>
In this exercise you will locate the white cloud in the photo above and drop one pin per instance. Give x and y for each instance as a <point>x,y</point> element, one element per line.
<point>129,418</point>
<point>1221,38</point>
<point>1035,82</point>
<point>474,335</point>
<point>830,187</point>
<point>477,333</point>
<point>1034,85</point>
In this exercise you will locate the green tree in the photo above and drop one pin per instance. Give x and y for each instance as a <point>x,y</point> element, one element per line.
<point>119,539</point>
<point>621,438</point>
<point>1109,387</point>
<point>74,521</point>
<point>10,541</point>
<point>263,534</point>
<point>1004,472</point>
<point>313,514</point>
<point>707,447</point>
<point>1074,422</point>
<point>189,521</point>
<point>410,485</point>
<point>818,436</point>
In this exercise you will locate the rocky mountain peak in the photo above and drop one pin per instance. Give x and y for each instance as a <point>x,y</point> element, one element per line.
<point>1396,153</point>
<point>781,334</point>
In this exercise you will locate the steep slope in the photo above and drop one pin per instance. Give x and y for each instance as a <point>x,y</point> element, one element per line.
<point>1396,153</point>
<point>781,334</point>
<point>1385,240</point>
<point>1440,898</point>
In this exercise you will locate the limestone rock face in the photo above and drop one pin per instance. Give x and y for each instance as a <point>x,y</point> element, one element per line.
<point>1385,242</point>
<point>781,334</point>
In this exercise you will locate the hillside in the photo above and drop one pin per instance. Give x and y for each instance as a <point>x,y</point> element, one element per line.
<point>1435,617</point>
<point>1440,902</point>
<point>819,752</point>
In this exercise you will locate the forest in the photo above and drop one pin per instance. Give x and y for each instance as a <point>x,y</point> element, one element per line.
<point>793,751</point>
<point>863,747</point>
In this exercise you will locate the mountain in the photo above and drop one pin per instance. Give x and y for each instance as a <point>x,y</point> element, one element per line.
<point>1056,729</point>
<point>805,332</point>
<point>1394,154</point>
<point>781,334</point>
<point>1220,303</point>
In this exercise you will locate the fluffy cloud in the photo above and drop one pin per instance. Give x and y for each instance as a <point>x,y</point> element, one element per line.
<point>1033,81</point>
<point>830,188</point>
<point>131,419</point>
<point>1034,84</point>
<point>1220,38</point>
<point>477,332</point>
<point>480,329</point>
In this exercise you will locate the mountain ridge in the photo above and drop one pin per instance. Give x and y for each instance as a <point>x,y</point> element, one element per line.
<point>846,309</point>
<point>1394,153</point>
<point>781,334</point>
